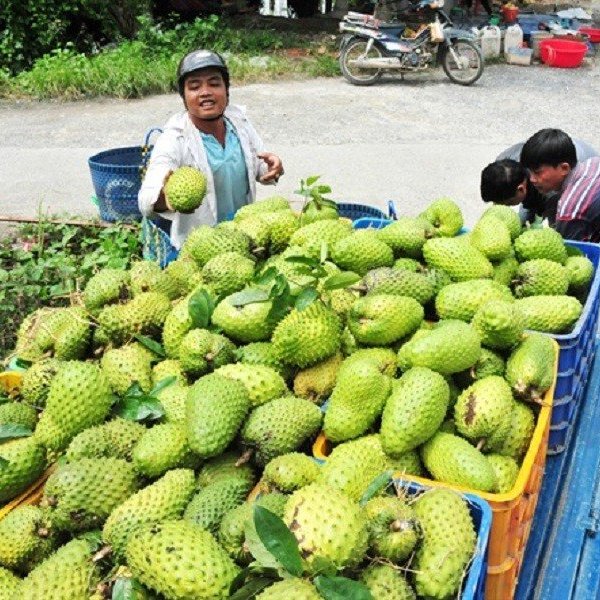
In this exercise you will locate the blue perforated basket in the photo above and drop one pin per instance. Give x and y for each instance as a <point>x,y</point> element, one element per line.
<point>359,211</point>
<point>117,176</point>
<point>156,244</point>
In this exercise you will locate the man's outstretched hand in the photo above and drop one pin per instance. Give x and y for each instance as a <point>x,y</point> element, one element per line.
<point>274,167</point>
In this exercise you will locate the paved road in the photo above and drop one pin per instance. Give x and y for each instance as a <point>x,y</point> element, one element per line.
<point>410,141</point>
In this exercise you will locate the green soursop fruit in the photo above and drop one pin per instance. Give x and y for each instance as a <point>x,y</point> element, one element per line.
<point>257,229</point>
<point>382,358</point>
<point>492,237</point>
<point>125,366</point>
<point>264,353</point>
<point>68,574</point>
<point>457,257</point>
<point>311,237</point>
<point>317,382</point>
<point>505,270</point>
<point>26,538</point>
<point>147,276</point>
<point>541,243</point>
<point>327,526</point>
<point>36,381</point>
<point>453,460</point>
<point>168,368</point>
<point>81,495</point>
<point>185,189</point>
<point>10,585</point>
<point>406,236</point>
<point>530,367</point>
<point>206,242</point>
<point>401,282</point>
<point>508,215</point>
<point>539,277</point>
<point>162,448</point>
<point>445,216</point>
<point>361,252</point>
<point>262,383</point>
<point>356,401</point>
<point>177,323</point>
<point>79,397</point>
<point>393,528</point>
<point>408,463</point>
<point>216,408</point>
<point>306,337</point>
<point>462,300</point>
<point>381,319</point>
<point>228,272</point>
<point>387,583</point>
<point>352,466</point>
<point>280,426</point>
<point>315,210</point>
<point>185,273</point>
<point>483,410</point>
<point>173,399</point>
<point>162,500</point>
<point>261,207</point>
<point>107,286</point>
<point>225,466</point>
<point>522,425</point>
<point>299,589</point>
<point>159,553</point>
<point>25,462</point>
<point>408,264</point>
<point>114,439</point>
<point>500,324</point>
<point>489,363</point>
<point>202,351</point>
<point>506,470</point>
<point>282,225</point>
<point>448,349</point>
<point>290,472</point>
<point>18,413</point>
<point>581,273</point>
<point>65,335</point>
<point>208,507</point>
<point>414,411</point>
<point>449,541</point>
<point>550,314</point>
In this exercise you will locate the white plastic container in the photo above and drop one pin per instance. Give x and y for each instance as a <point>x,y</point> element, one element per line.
<point>513,38</point>
<point>491,41</point>
<point>519,56</point>
<point>536,38</point>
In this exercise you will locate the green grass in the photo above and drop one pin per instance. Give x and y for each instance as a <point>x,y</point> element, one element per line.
<point>147,64</point>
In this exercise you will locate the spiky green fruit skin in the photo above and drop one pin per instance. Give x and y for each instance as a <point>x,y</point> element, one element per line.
<point>299,589</point>
<point>26,462</point>
<point>381,319</point>
<point>249,323</point>
<point>185,273</point>
<point>177,323</point>
<point>382,358</point>
<point>162,500</point>
<point>491,236</point>
<point>225,465</point>
<point>386,583</point>
<point>147,276</point>
<point>19,414</point>
<point>393,528</point>
<point>401,282</point>
<point>448,349</point>
<point>256,229</point>
<point>506,470</point>
<point>208,507</point>
<point>484,410</point>
<point>352,466</point>
<point>327,525</point>
<point>114,439</point>
<point>292,471</point>
<point>202,351</point>
<point>408,463</point>
<point>261,382</point>
<point>282,225</point>
<point>356,402</point>
<point>539,277</point>
<point>408,264</point>
<point>313,212</point>
<point>312,236</point>
<point>414,411</point>
<point>405,236</point>
<point>66,334</point>
<point>125,365</point>
<point>68,574</point>
<point>228,272</point>
<point>158,554</point>
<point>360,253</point>
<point>264,353</point>
<point>448,544</point>
<point>317,382</point>
<point>280,426</point>
<point>185,189</point>
<point>26,538</point>
<point>107,286</point>
<point>453,460</point>
<point>500,324</point>
<point>550,314</point>
<point>458,258</point>
<point>272,204</point>
<point>505,270</point>
<point>508,216</point>
<point>215,408</point>
<point>517,442</point>
<point>81,494</point>
<point>173,400</point>
<point>206,242</point>
<point>540,243</point>
<point>168,368</point>
<point>581,272</point>
<point>530,367</point>
<point>445,216</point>
<point>305,337</point>
<point>489,363</point>
<point>36,381</point>
<point>79,397</point>
<point>162,448</point>
<point>10,585</point>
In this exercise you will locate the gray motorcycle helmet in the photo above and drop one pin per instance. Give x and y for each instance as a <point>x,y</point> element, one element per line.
<point>201,59</point>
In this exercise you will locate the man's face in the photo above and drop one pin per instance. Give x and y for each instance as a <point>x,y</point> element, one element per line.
<point>547,178</point>
<point>205,94</point>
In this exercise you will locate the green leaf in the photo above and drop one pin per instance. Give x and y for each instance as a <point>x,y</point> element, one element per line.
<point>248,296</point>
<point>312,180</point>
<point>323,189</point>
<point>252,589</point>
<point>134,390</point>
<point>323,566</point>
<point>280,307</point>
<point>10,431</point>
<point>341,588</point>
<point>278,540</point>
<point>162,384</point>
<point>150,344</point>
<point>267,276</point>
<point>139,408</point>
<point>306,297</point>
<point>264,559</point>
<point>303,260</point>
<point>126,588</point>
<point>3,462</point>
<point>200,307</point>
<point>341,280</point>
<point>377,485</point>
<point>324,251</point>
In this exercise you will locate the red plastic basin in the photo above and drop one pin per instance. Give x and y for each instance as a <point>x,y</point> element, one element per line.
<point>594,34</point>
<point>562,53</point>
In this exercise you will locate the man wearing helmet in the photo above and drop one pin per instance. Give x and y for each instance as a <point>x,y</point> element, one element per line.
<point>214,137</point>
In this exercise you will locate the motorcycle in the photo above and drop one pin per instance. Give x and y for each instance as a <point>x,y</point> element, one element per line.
<point>370,47</point>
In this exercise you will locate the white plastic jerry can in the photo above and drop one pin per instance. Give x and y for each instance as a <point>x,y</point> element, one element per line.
<point>513,38</point>
<point>491,41</point>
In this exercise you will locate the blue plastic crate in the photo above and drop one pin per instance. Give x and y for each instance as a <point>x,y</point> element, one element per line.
<point>156,244</point>
<point>359,211</point>
<point>371,223</point>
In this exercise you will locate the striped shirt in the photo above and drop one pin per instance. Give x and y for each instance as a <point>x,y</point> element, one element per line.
<point>578,210</point>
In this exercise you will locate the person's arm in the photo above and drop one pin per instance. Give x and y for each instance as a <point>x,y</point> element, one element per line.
<point>269,165</point>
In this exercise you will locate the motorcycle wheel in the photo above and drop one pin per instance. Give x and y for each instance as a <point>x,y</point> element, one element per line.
<point>356,49</point>
<point>470,67</point>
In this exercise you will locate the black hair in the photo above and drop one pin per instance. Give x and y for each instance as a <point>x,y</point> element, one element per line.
<point>548,147</point>
<point>500,180</point>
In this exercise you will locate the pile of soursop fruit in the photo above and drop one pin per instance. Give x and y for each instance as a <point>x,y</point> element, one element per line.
<point>179,407</point>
